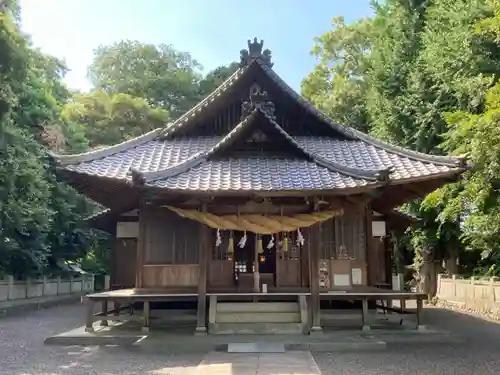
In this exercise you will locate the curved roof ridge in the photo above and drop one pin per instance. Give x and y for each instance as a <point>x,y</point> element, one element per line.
<point>371,175</point>
<point>106,151</point>
<point>451,161</point>
<point>200,157</point>
<point>156,133</point>
<point>204,102</point>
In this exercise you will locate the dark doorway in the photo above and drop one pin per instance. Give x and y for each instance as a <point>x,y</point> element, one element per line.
<point>267,260</point>
<point>244,258</point>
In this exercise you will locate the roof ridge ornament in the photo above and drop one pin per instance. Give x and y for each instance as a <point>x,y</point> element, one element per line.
<point>255,52</point>
<point>258,99</point>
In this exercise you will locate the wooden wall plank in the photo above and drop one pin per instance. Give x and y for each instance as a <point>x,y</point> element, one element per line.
<point>220,273</point>
<point>166,275</point>
<point>289,272</point>
<point>170,238</point>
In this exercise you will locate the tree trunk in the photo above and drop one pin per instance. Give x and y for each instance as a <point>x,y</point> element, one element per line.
<point>451,261</point>
<point>427,273</point>
<point>397,254</point>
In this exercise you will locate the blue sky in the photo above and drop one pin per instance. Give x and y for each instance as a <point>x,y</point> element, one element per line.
<point>213,31</point>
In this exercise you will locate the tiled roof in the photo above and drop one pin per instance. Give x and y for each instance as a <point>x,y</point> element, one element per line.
<point>164,159</point>
<point>358,154</point>
<point>253,173</point>
<point>257,174</point>
<point>151,156</point>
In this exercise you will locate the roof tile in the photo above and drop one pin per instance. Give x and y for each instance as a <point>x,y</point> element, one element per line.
<point>255,173</point>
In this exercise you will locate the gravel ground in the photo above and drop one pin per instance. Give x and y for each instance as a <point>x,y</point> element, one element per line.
<point>480,354</point>
<point>22,351</point>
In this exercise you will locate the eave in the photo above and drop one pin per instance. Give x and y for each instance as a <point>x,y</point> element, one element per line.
<point>368,175</point>
<point>63,160</point>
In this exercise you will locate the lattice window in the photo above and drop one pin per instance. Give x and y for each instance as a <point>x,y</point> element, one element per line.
<point>328,240</point>
<point>243,266</point>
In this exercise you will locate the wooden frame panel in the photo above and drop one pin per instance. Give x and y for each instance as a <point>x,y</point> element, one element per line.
<point>220,273</point>
<point>288,272</point>
<point>167,275</point>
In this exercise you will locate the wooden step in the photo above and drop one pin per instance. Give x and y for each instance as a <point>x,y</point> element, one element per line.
<point>259,317</point>
<point>256,329</point>
<point>257,307</point>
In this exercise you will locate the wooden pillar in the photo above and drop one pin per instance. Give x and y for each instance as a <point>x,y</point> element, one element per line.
<point>113,244</point>
<point>304,267</point>
<point>146,311</point>
<point>420,308</point>
<point>141,243</point>
<point>364,315</point>
<point>90,316</point>
<point>314,243</point>
<point>104,322</point>
<point>370,250</point>
<point>201,326</point>
<point>256,274</point>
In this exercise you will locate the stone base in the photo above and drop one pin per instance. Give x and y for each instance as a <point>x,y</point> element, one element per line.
<point>200,331</point>
<point>186,342</point>
<point>256,329</point>
<point>366,329</point>
<point>316,331</point>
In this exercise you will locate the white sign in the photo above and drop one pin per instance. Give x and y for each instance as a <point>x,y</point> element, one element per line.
<point>125,229</point>
<point>342,280</point>
<point>378,229</point>
<point>357,276</point>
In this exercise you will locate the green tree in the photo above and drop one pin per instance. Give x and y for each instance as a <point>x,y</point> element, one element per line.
<point>402,70</point>
<point>163,76</point>
<point>476,133</point>
<point>108,119</point>
<point>23,189</point>
<point>41,220</point>
<point>338,84</point>
<point>215,78</point>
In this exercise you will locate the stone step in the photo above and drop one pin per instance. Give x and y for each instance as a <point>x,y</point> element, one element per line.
<point>258,307</point>
<point>256,329</point>
<point>259,317</point>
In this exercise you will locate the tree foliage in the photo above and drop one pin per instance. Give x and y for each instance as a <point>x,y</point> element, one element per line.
<point>415,70</point>
<point>419,73</point>
<point>41,219</point>
<point>163,76</point>
<point>137,88</point>
<point>108,119</point>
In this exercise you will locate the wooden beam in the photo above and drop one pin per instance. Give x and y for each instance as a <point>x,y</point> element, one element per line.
<point>114,245</point>
<point>359,199</point>
<point>370,250</point>
<point>314,243</point>
<point>201,326</point>
<point>141,243</point>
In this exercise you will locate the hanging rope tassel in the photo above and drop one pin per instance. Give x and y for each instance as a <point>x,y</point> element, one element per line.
<point>243,240</point>
<point>270,245</point>
<point>218,240</point>
<point>230,246</point>
<point>260,250</point>
<point>300,238</point>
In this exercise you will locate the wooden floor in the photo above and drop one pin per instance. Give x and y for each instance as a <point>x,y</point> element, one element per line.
<point>356,292</point>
